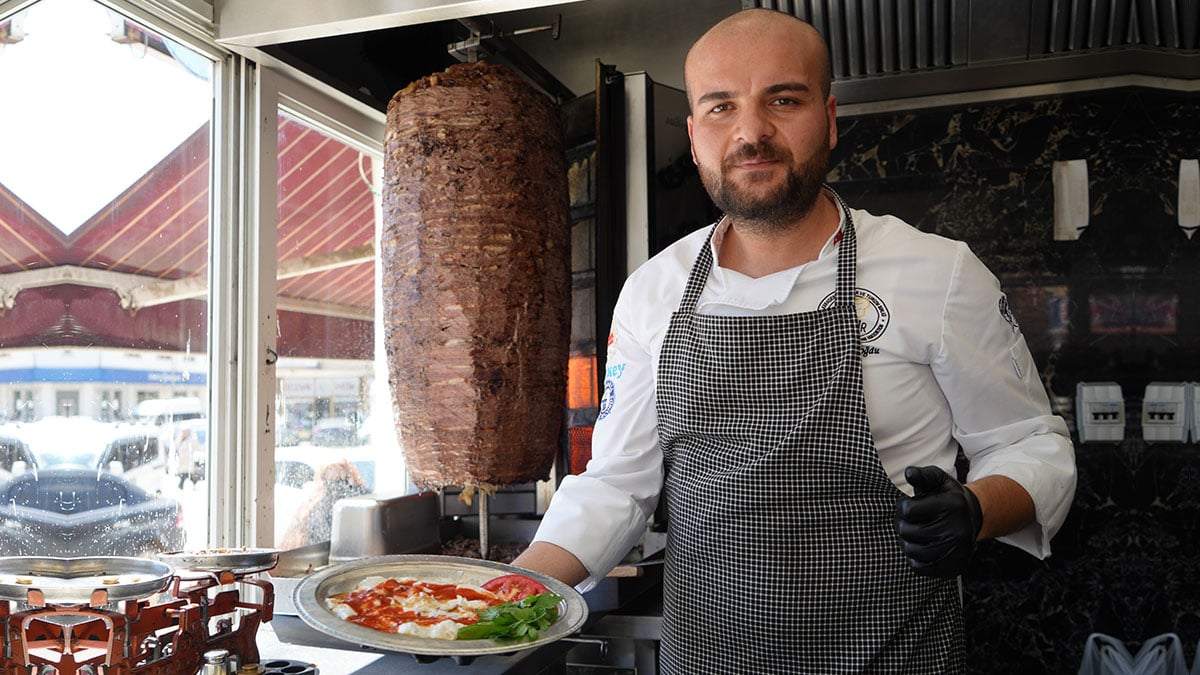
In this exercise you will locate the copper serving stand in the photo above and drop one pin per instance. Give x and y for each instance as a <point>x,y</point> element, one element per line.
<point>167,633</point>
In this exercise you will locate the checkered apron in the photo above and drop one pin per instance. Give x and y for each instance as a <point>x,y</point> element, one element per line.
<point>782,554</point>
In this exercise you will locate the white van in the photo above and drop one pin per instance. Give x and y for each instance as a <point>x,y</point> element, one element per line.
<point>165,412</point>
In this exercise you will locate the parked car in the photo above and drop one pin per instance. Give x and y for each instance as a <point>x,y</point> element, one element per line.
<point>164,412</point>
<point>136,451</point>
<point>15,455</point>
<point>293,473</point>
<point>64,441</point>
<point>70,511</point>
<point>130,451</point>
<point>296,428</point>
<point>335,432</point>
<point>136,454</point>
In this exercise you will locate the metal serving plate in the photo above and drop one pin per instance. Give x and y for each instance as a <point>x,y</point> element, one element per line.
<point>70,581</point>
<point>235,560</point>
<point>311,593</point>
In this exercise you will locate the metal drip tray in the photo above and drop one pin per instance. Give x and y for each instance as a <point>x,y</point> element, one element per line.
<point>75,581</point>
<point>237,561</point>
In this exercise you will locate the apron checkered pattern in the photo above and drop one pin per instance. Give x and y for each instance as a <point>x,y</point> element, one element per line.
<point>782,555</point>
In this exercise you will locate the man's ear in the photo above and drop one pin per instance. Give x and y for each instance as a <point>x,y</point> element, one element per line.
<point>831,113</point>
<point>691,145</point>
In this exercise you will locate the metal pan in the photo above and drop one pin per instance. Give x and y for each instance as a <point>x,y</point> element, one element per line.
<point>311,593</point>
<point>235,560</point>
<point>70,581</point>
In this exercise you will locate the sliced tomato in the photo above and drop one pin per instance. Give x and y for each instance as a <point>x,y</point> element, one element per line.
<point>514,587</point>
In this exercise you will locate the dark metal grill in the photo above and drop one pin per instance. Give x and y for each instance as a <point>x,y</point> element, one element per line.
<point>876,37</point>
<point>1088,24</point>
<point>879,37</point>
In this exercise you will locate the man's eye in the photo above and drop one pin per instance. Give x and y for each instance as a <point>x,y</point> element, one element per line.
<point>783,100</point>
<point>719,108</point>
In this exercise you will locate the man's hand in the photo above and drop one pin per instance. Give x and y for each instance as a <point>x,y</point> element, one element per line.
<point>938,525</point>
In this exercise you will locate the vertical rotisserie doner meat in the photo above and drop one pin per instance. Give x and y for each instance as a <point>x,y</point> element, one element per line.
<point>476,276</point>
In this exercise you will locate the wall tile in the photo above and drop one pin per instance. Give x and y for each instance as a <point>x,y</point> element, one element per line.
<point>1127,562</point>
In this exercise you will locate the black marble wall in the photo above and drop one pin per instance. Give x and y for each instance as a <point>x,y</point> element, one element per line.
<point>1122,303</point>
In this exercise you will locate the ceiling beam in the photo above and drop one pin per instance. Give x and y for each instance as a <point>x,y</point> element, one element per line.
<point>324,309</point>
<point>254,23</point>
<point>137,291</point>
<point>323,262</point>
<point>123,284</point>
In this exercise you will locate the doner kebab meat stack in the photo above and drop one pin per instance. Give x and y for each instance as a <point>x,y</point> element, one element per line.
<point>476,277</point>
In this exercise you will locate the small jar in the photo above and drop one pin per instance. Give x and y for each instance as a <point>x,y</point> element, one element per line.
<point>216,662</point>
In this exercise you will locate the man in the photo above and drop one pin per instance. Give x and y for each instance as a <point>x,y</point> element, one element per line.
<point>797,380</point>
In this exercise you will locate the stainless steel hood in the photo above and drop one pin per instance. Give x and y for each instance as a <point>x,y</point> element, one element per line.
<point>254,23</point>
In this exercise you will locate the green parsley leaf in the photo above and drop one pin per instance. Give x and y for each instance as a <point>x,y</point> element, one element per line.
<point>520,621</point>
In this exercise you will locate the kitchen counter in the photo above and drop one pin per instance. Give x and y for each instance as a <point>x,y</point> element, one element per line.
<point>624,637</point>
<point>287,637</point>
<point>622,630</point>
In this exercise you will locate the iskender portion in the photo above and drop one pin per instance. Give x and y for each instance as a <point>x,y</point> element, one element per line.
<point>426,609</point>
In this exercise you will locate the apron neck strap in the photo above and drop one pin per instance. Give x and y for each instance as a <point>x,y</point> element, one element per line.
<point>847,260</point>
<point>847,256</point>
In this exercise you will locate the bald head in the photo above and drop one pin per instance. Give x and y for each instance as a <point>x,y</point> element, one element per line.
<point>752,29</point>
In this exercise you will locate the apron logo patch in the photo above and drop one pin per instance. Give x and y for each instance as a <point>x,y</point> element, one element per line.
<point>1007,315</point>
<point>606,401</point>
<point>873,315</point>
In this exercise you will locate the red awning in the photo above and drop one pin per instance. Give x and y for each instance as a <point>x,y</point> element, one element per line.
<point>157,233</point>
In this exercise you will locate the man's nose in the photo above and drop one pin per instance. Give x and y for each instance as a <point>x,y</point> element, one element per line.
<point>754,125</point>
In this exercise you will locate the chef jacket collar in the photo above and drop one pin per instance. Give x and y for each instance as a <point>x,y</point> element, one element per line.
<point>734,289</point>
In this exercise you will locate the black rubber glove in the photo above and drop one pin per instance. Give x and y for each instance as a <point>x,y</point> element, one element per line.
<point>939,523</point>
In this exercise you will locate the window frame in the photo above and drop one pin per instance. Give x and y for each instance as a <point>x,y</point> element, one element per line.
<point>347,121</point>
<point>249,89</point>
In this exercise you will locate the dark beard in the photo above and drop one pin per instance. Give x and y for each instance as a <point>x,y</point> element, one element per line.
<point>779,208</point>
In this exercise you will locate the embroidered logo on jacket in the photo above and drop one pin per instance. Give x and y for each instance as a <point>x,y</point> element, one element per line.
<point>873,315</point>
<point>1007,315</point>
<point>607,400</point>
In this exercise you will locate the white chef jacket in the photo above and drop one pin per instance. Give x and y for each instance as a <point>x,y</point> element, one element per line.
<point>944,364</point>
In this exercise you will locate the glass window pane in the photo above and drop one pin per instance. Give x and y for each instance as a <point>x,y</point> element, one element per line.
<point>328,399</point>
<point>104,224</point>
